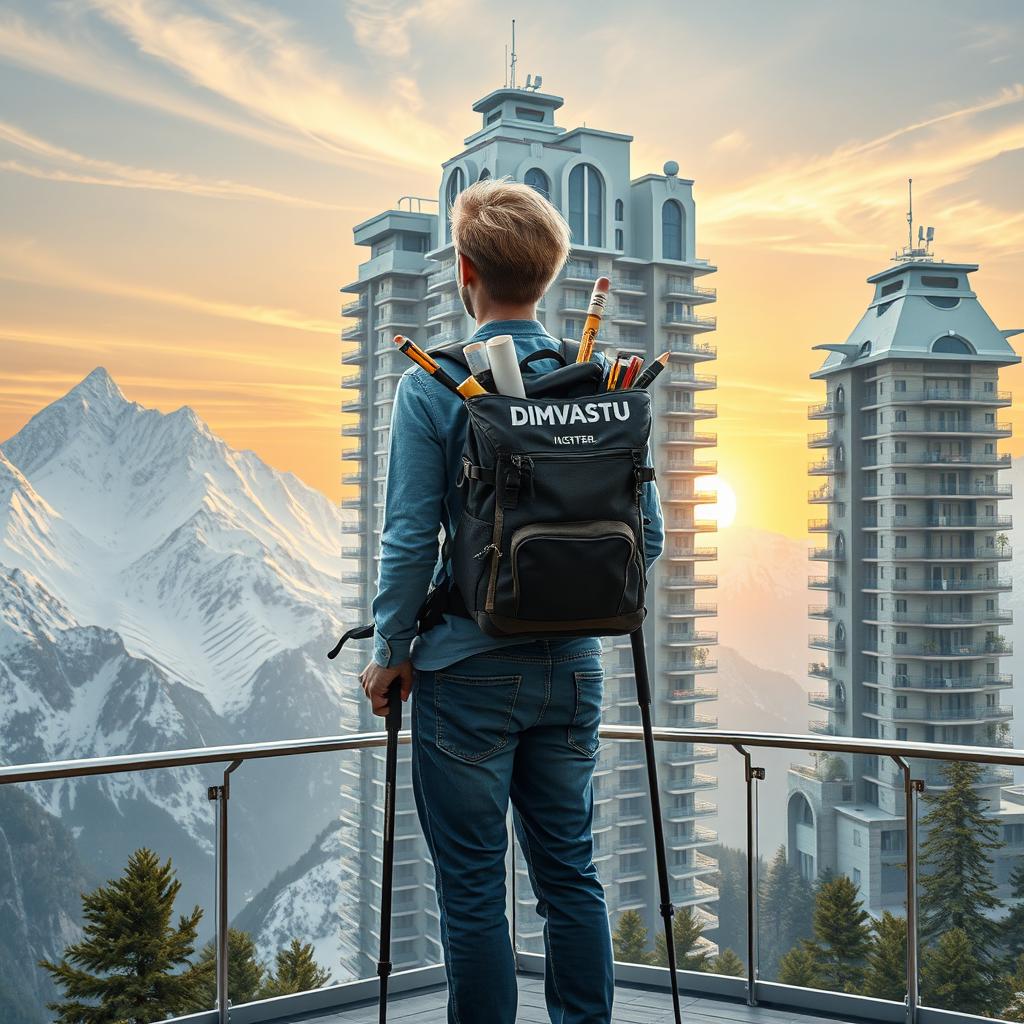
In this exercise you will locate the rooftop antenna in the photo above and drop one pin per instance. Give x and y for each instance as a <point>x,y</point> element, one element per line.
<point>512,81</point>
<point>506,65</point>
<point>910,213</point>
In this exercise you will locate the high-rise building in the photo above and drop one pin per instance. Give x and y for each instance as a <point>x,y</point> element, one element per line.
<point>641,233</point>
<point>914,550</point>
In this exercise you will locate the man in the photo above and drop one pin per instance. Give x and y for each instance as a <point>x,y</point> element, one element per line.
<point>494,719</point>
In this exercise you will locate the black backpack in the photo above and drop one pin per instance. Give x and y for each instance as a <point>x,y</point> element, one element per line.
<point>551,540</point>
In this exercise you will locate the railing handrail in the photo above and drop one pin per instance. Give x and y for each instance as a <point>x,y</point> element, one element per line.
<point>118,763</point>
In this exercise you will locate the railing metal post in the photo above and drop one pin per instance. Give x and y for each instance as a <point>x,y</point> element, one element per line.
<point>911,787</point>
<point>751,775</point>
<point>220,794</point>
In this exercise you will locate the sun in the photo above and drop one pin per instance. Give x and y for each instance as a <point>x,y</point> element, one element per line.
<point>723,511</point>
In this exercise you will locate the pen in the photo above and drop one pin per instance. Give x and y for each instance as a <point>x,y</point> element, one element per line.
<point>595,310</point>
<point>647,377</point>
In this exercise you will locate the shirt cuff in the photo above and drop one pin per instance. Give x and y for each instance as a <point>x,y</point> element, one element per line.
<point>388,653</point>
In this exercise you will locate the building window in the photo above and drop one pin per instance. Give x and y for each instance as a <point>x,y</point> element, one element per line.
<point>538,181</point>
<point>952,343</point>
<point>484,175</point>
<point>619,240</point>
<point>671,230</point>
<point>573,328</point>
<point>618,209</point>
<point>586,205</point>
<point>901,636</point>
<point>858,839</point>
<point>856,877</point>
<point>456,183</point>
<point>899,385</point>
<point>939,282</point>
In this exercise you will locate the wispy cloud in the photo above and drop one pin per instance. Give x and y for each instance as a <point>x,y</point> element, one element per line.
<point>26,262</point>
<point>80,169</point>
<point>842,190</point>
<point>384,27</point>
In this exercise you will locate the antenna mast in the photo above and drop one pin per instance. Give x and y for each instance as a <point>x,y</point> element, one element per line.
<point>910,213</point>
<point>513,79</point>
<point>506,65</point>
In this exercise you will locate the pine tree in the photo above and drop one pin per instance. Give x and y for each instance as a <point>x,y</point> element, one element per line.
<point>786,903</point>
<point>956,881</point>
<point>295,970</point>
<point>953,976</point>
<point>800,966</point>
<point>842,933</point>
<point>1012,926</point>
<point>886,974</point>
<point>245,973</point>
<point>727,962</point>
<point>686,933</point>
<point>630,939</point>
<point>132,963</point>
<point>1014,999</point>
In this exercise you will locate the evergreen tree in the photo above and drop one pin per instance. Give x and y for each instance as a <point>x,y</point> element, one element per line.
<point>132,962</point>
<point>842,933</point>
<point>630,939</point>
<point>1014,999</point>
<point>800,965</point>
<point>295,970</point>
<point>886,974</point>
<point>786,903</point>
<point>953,976</point>
<point>691,954</point>
<point>245,973</point>
<point>727,962</point>
<point>956,883</point>
<point>1012,926</point>
<point>731,882</point>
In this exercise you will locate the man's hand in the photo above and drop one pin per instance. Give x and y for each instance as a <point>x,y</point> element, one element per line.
<point>376,682</point>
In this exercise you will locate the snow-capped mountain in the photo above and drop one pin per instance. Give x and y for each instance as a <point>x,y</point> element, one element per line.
<point>160,590</point>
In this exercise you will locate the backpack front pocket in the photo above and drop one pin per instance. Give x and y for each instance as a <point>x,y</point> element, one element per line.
<point>572,571</point>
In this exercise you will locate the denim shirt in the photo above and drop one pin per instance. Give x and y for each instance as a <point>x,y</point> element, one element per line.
<point>428,431</point>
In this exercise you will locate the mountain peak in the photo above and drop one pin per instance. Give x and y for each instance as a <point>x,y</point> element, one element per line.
<point>99,386</point>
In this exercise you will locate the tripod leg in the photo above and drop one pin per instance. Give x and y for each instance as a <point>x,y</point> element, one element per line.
<point>643,697</point>
<point>394,725</point>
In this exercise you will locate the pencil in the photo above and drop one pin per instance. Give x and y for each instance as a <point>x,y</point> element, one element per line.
<point>595,311</point>
<point>632,370</point>
<point>469,387</point>
<point>647,377</point>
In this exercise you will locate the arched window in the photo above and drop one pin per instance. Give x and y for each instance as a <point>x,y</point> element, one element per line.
<point>538,181</point>
<point>484,175</point>
<point>586,205</point>
<point>456,183</point>
<point>952,343</point>
<point>618,209</point>
<point>671,230</point>
<point>865,349</point>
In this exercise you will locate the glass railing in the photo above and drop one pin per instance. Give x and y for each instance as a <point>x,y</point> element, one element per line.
<point>877,879</point>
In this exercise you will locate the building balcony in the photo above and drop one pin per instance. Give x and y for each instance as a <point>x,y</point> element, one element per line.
<point>678,437</point>
<point>823,583</point>
<point>675,581</point>
<point>979,584</point>
<point>354,308</point>
<point>823,410</point>
<point>392,291</point>
<point>826,701</point>
<point>442,277</point>
<point>925,459</point>
<point>933,651</point>
<point>926,553</point>
<point>819,670</point>
<point>689,292</point>
<point>819,525</point>
<point>679,467</point>
<point>689,667</point>
<point>976,489</point>
<point>625,314</point>
<point>926,617</point>
<point>355,355</point>
<point>677,497</point>
<point>975,682</point>
<point>942,396</point>
<point>689,381</point>
<point>688,322</point>
<point>701,638</point>
<point>354,383</point>
<point>693,695</point>
<point>823,642</point>
<point>937,522</point>
<point>676,610</point>
<point>819,611</point>
<point>822,495</point>
<point>700,809</point>
<point>629,285</point>
<point>826,467</point>
<point>974,713</point>
<point>826,555</point>
<point>684,345</point>
<point>354,332</point>
<point>821,440</point>
<point>574,271</point>
<point>824,729</point>
<point>450,309</point>
<point>354,479</point>
<point>993,430</point>
<point>691,554</point>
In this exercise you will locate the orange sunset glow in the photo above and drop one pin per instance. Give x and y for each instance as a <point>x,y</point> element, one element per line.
<point>180,183</point>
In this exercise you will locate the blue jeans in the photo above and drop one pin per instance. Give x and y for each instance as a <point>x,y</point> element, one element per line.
<point>516,722</point>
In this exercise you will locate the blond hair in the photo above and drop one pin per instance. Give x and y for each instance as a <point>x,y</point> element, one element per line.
<point>514,237</point>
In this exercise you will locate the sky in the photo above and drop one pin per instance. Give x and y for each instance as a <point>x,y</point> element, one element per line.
<point>179,180</point>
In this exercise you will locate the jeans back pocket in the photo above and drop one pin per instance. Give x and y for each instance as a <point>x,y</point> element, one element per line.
<point>586,720</point>
<point>473,713</point>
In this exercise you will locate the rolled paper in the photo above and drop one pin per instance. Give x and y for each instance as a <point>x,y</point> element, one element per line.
<point>501,351</point>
